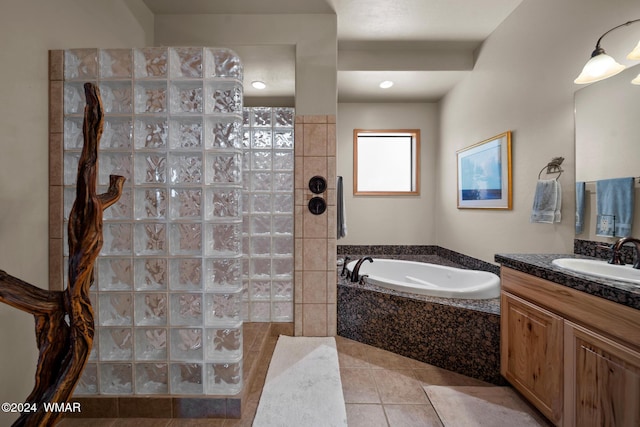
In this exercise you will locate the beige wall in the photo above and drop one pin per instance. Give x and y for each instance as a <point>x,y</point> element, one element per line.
<point>523,81</point>
<point>27,32</point>
<point>377,220</point>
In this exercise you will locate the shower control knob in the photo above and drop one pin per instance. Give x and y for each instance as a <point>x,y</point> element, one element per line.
<point>317,205</point>
<point>317,185</point>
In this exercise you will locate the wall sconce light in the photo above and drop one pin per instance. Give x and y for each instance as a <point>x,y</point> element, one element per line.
<point>602,66</point>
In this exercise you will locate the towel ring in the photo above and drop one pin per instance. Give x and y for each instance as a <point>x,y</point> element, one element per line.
<point>553,167</point>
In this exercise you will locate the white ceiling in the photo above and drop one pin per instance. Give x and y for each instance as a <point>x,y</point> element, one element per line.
<point>424,46</point>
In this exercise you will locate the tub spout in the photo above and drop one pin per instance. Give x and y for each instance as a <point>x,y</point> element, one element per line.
<point>355,274</point>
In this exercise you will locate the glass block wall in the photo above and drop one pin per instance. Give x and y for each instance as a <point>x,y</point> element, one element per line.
<point>168,285</point>
<point>268,214</point>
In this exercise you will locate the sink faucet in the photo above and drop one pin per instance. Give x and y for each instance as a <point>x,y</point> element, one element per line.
<point>355,274</point>
<point>616,256</point>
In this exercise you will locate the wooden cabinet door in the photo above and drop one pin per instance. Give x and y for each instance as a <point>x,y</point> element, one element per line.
<point>531,353</point>
<point>602,380</point>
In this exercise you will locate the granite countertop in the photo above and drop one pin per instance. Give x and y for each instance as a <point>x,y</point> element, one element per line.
<point>540,265</point>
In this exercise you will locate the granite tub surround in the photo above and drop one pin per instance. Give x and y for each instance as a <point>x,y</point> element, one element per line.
<point>540,265</point>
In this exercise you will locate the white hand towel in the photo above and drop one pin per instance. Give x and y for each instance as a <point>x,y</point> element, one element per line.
<point>547,202</point>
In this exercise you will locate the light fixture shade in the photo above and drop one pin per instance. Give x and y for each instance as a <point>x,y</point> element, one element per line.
<point>386,84</point>
<point>257,84</point>
<point>636,81</point>
<point>599,68</point>
<point>635,53</point>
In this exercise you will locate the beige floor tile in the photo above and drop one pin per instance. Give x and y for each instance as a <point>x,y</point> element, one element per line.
<point>352,354</point>
<point>432,375</point>
<point>358,386</point>
<point>142,422</point>
<point>82,422</point>
<point>412,416</point>
<point>201,422</point>
<point>386,360</point>
<point>363,415</point>
<point>399,386</point>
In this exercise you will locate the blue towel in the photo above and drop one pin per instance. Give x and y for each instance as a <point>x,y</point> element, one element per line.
<point>579,207</point>
<point>614,203</point>
<point>547,202</point>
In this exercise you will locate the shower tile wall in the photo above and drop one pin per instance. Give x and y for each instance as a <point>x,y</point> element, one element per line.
<point>268,146</point>
<point>168,283</point>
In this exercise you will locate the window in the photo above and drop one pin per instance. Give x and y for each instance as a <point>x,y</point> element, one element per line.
<point>386,162</point>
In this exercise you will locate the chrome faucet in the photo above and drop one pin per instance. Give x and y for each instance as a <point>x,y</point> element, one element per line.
<point>355,274</point>
<point>616,256</point>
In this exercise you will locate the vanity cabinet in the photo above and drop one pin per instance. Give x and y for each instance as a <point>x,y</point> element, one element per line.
<point>574,356</point>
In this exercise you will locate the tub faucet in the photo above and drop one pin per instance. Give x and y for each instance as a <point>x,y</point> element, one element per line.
<point>355,274</point>
<point>616,256</point>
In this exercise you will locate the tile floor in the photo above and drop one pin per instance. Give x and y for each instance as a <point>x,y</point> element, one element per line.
<point>380,389</point>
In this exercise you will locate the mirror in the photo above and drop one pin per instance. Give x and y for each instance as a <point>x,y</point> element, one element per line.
<point>386,162</point>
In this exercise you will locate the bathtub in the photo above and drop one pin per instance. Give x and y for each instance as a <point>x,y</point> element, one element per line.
<point>429,279</point>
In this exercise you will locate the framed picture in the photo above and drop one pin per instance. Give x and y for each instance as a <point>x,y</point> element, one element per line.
<point>484,174</point>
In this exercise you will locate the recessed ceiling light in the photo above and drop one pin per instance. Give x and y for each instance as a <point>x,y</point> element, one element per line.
<point>386,84</point>
<point>258,84</point>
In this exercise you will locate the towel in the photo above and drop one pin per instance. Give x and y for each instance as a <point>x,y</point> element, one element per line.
<point>547,202</point>
<point>342,220</point>
<point>614,203</point>
<point>579,207</point>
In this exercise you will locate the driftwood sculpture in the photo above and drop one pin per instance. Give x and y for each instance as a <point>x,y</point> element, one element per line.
<point>64,319</point>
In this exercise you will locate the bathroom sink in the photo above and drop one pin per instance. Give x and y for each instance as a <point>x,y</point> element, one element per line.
<point>599,268</point>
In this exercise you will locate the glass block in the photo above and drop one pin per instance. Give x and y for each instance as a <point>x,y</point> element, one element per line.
<point>117,134</point>
<point>223,168</point>
<point>151,132</point>
<point>151,309</point>
<point>186,378</point>
<point>150,203</point>
<point>223,97</point>
<point>283,267</point>
<point>222,308</point>
<point>283,161</point>
<point>71,160</point>
<point>186,274</point>
<point>116,343</point>
<point>260,311</point>
<point>73,137</point>
<point>185,203</point>
<point>282,245</point>
<point>150,274</point>
<point>223,63</point>
<point>261,117</point>
<point>118,239</point>
<point>283,203</point>
<point>223,239</point>
<point>150,97</point>
<point>245,311</point>
<point>117,97</point>
<point>223,132</point>
<point>246,117</point>
<point>116,378</point>
<point>151,344</point>
<point>260,246</point>
<point>150,168</point>
<point>224,378</point>
<point>260,224</point>
<point>283,139</point>
<point>151,62</point>
<point>186,97</point>
<point>186,238</point>
<point>185,133</point>
<point>223,273</point>
<point>282,311</point>
<point>186,309</point>
<point>246,198</point>
<point>246,139</point>
<point>88,383</point>
<point>283,224</point>
<point>186,344</point>
<point>283,117</point>
<point>261,160</point>
<point>120,210</point>
<point>116,309</point>
<point>261,203</point>
<point>246,181</point>
<point>185,168</point>
<point>186,62</point>
<point>150,238</point>
<point>152,378</point>
<point>115,274</point>
<point>74,99</point>
<point>261,182</point>
<point>69,197</point>
<point>80,64</point>
<point>116,63</point>
<point>260,290</point>
<point>282,289</point>
<point>114,164</point>
<point>260,267</point>
<point>224,343</point>
<point>261,139</point>
<point>223,203</point>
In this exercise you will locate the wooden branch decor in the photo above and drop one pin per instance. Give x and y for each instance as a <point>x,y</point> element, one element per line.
<point>64,319</point>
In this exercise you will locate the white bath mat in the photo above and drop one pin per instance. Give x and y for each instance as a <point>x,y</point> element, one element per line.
<point>482,406</point>
<point>303,386</point>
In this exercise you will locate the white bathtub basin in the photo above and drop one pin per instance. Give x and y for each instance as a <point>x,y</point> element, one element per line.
<point>599,268</point>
